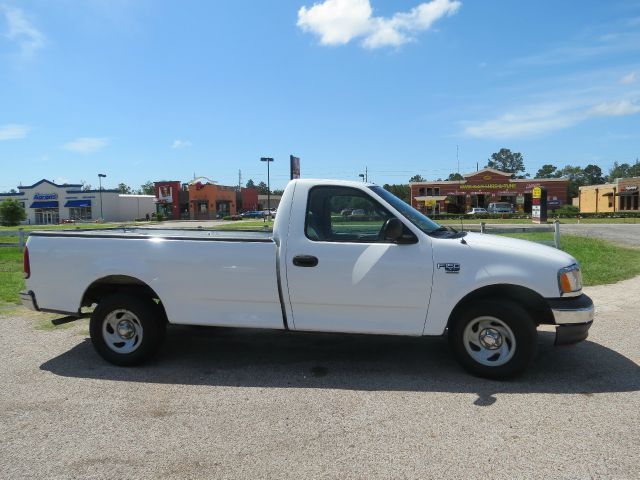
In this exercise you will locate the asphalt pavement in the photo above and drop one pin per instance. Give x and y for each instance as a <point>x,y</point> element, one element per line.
<point>229,403</point>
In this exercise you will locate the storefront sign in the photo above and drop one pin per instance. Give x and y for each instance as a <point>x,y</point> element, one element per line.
<point>489,186</point>
<point>165,194</point>
<point>630,188</point>
<point>536,192</point>
<point>295,167</point>
<point>520,199</point>
<point>45,196</point>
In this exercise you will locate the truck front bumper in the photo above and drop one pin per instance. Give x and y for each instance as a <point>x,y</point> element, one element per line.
<point>28,299</point>
<point>573,317</point>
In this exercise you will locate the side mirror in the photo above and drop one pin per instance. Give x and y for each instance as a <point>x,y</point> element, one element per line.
<point>393,229</point>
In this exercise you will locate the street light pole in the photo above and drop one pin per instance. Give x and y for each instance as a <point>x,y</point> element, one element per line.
<point>100,177</point>
<point>268,160</point>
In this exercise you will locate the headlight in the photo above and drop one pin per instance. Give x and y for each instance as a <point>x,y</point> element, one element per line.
<point>570,279</point>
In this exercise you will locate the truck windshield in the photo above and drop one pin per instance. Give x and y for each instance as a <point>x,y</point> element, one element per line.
<point>421,221</point>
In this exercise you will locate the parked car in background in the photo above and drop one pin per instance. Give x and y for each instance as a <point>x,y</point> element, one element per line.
<point>477,211</point>
<point>500,207</point>
<point>252,214</point>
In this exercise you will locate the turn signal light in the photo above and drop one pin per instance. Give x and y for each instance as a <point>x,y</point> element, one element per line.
<point>570,279</point>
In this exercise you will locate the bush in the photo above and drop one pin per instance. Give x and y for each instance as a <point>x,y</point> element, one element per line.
<point>11,213</point>
<point>565,210</point>
<point>232,217</point>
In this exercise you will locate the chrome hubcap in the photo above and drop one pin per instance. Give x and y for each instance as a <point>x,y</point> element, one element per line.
<point>490,338</point>
<point>122,331</point>
<point>125,329</point>
<point>489,341</point>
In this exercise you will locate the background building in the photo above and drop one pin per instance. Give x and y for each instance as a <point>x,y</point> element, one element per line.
<point>49,203</point>
<point>172,200</point>
<point>479,189</point>
<point>209,201</point>
<point>274,200</point>
<point>619,196</point>
<point>248,199</point>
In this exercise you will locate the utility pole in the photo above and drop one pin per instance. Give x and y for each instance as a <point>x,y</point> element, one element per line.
<point>268,160</point>
<point>239,179</point>
<point>100,177</point>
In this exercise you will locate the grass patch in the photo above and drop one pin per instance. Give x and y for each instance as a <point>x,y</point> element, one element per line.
<point>525,221</point>
<point>601,262</point>
<point>246,225</point>
<point>75,226</point>
<point>11,276</point>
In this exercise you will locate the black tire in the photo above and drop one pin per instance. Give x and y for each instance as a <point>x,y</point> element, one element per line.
<point>140,315</point>
<point>494,339</point>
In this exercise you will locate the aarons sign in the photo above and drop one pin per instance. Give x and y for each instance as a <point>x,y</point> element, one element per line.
<point>45,196</point>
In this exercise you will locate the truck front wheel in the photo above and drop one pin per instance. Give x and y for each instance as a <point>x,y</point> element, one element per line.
<point>493,339</point>
<point>126,330</point>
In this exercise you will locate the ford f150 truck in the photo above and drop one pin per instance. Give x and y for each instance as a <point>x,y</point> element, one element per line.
<point>388,270</point>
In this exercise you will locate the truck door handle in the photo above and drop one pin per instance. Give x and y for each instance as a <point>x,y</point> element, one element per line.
<point>305,261</point>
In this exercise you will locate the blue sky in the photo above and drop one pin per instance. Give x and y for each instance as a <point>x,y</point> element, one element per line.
<point>150,90</point>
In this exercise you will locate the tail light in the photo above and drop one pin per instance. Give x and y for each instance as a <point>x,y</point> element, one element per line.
<point>26,264</point>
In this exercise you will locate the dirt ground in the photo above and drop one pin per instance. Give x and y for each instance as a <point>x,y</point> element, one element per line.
<point>226,403</point>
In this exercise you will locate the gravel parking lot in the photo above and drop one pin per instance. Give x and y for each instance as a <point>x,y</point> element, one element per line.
<point>225,403</point>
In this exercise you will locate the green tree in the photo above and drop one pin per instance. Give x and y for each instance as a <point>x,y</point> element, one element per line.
<point>624,170</point>
<point>547,171</point>
<point>11,213</point>
<point>507,161</point>
<point>251,184</point>
<point>592,175</point>
<point>277,192</point>
<point>148,188</point>
<point>262,188</point>
<point>124,188</point>
<point>455,176</point>
<point>402,191</point>
<point>575,176</point>
<point>85,186</point>
<point>416,178</point>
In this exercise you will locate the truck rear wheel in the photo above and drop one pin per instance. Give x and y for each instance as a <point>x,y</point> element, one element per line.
<point>127,330</point>
<point>493,339</point>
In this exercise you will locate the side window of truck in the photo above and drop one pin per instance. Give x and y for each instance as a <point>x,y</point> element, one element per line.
<point>343,214</point>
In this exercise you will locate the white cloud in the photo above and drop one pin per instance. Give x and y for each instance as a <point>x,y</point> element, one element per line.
<point>86,144</point>
<point>629,78</point>
<point>337,22</point>
<point>22,31</point>
<point>13,132</point>
<point>615,109</point>
<point>535,120</point>
<point>181,144</point>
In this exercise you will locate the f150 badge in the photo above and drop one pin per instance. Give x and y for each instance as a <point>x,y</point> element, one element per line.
<point>449,267</point>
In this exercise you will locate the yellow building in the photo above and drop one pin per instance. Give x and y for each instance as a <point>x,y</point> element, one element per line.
<point>621,196</point>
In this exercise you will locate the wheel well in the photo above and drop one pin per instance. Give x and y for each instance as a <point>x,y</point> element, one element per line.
<point>113,284</point>
<point>532,301</point>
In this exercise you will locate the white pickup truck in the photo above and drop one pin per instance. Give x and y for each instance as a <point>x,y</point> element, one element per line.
<point>386,270</point>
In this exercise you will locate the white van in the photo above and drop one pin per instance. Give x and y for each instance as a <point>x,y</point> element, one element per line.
<point>500,207</point>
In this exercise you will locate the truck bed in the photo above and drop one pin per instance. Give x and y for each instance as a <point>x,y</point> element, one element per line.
<point>167,233</point>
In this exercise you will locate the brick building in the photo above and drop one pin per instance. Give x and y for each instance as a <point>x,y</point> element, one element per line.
<point>479,189</point>
<point>209,201</point>
<point>172,200</point>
